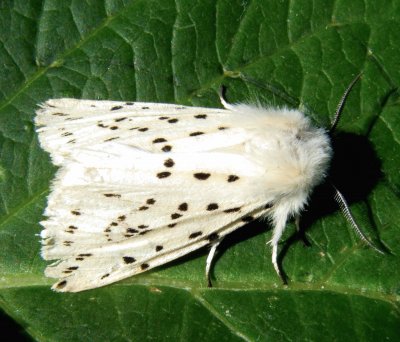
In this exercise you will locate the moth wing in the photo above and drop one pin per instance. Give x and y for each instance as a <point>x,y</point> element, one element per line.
<point>127,196</point>
<point>67,124</point>
<point>125,202</point>
<point>85,267</point>
<point>108,222</point>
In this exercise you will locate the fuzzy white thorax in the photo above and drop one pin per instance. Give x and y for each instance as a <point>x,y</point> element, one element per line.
<point>294,154</point>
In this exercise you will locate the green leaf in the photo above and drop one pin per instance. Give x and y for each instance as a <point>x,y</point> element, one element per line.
<point>293,53</point>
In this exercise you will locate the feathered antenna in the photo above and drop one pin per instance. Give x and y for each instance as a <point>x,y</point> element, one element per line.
<point>341,201</point>
<point>341,103</point>
<point>338,196</point>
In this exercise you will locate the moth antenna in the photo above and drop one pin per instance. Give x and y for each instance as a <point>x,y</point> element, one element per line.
<point>341,201</point>
<point>341,103</point>
<point>221,93</point>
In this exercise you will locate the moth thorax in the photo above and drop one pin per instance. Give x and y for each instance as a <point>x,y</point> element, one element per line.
<point>314,153</point>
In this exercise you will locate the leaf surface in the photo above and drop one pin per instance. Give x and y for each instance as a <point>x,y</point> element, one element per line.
<point>293,53</point>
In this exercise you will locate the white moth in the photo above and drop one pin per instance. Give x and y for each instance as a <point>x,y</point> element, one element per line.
<point>141,184</point>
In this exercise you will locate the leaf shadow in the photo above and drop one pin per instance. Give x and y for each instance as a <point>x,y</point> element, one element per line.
<point>355,170</point>
<point>243,233</point>
<point>13,330</point>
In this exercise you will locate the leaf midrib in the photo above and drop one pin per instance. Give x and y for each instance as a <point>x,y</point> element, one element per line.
<point>33,280</point>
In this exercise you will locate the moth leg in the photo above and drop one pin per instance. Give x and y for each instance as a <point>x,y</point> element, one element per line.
<point>221,94</point>
<point>209,261</point>
<point>275,259</point>
<point>279,227</point>
<point>297,222</point>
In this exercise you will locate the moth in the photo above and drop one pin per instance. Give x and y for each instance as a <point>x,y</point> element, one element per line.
<point>140,184</point>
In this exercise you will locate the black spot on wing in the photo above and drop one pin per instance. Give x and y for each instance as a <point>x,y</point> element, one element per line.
<point>112,195</point>
<point>201,175</point>
<point>69,231</point>
<point>128,259</point>
<point>132,230</point>
<point>232,178</point>
<point>212,206</point>
<point>232,210</point>
<point>61,284</point>
<point>116,107</point>
<point>74,119</point>
<point>163,174</point>
<point>167,148</point>
<point>169,163</point>
<point>159,140</point>
<point>196,134</point>
<point>111,139</point>
<point>212,237</point>
<point>268,206</point>
<point>248,218</point>
<point>195,235</point>
<point>183,206</point>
